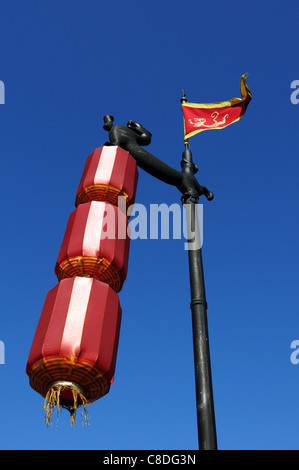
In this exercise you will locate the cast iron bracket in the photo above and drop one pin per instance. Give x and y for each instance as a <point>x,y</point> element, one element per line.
<point>132,136</point>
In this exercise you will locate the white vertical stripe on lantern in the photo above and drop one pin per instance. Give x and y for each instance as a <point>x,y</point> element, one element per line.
<point>72,333</point>
<point>105,165</point>
<point>93,229</point>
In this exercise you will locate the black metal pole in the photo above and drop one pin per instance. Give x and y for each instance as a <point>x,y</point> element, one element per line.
<point>206,425</point>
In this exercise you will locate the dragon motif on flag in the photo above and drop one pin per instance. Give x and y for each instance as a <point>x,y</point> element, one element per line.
<point>200,122</point>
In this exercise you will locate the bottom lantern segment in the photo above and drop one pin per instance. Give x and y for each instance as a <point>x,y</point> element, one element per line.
<point>73,354</point>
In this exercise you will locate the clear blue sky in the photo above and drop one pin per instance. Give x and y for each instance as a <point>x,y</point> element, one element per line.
<point>65,65</point>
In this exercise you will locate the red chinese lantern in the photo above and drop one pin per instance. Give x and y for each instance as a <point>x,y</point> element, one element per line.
<point>73,354</point>
<point>92,246</point>
<point>109,172</point>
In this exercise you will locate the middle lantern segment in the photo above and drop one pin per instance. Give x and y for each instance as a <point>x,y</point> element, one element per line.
<point>95,245</point>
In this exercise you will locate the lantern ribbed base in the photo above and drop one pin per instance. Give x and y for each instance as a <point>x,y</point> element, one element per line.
<point>89,266</point>
<point>66,395</point>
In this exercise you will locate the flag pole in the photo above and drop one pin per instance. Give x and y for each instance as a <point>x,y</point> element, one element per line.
<point>206,425</point>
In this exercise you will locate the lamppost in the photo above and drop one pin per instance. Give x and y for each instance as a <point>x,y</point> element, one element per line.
<point>131,138</point>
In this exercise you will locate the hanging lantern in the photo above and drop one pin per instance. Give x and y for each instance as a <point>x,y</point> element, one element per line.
<point>73,354</point>
<point>109,172</point>
<point>95,244</point>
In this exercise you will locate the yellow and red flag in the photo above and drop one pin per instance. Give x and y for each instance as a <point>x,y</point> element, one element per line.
<point>202,117</point>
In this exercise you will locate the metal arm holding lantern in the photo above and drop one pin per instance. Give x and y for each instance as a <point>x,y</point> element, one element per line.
<point>132,136</point>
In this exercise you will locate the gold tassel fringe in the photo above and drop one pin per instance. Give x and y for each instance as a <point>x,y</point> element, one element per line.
<point>53,399</point>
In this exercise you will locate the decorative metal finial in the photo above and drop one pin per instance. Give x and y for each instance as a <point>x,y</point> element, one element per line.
<point>183,99</point>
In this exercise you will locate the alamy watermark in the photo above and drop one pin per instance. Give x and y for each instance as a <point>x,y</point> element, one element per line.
<point>2,92</point>
<point>295,94</point>
<point>2,353</point>
<point>160,221</point>
<point>295,354</point>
